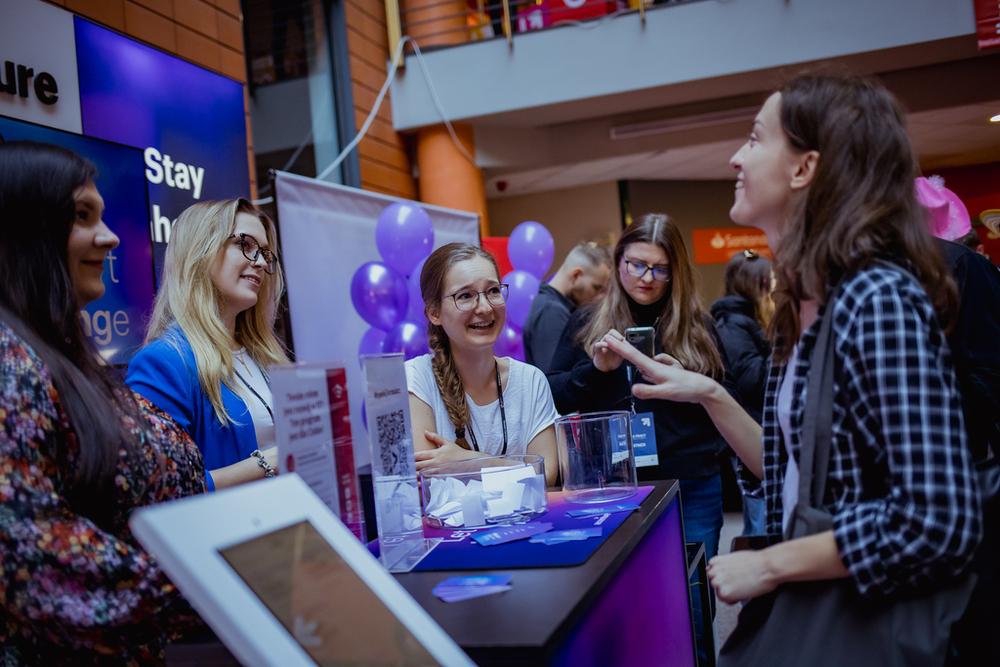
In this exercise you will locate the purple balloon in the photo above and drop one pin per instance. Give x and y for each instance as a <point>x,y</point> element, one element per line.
<point>371,342</point>
<point>409,338</point>
<point>523,288</point>
<point>379,295</point>
<point>404,235</point>
<point>416,313</point>
<point>510,343</point>
<point>531,248</point>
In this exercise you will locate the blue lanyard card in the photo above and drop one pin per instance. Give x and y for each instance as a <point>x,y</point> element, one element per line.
<point>644,440</point>
<point>619,442</point>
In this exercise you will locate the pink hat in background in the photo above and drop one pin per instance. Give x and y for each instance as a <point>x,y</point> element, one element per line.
<point>949,219</point>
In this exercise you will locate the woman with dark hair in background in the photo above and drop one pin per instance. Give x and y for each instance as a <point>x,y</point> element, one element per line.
<point>828,175</point>
<point>464,401</point>
<point>741,317</point>
<point>653,286</point>
<point>78,450</point>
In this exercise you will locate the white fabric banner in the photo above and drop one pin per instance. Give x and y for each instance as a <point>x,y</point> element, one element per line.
<point>327,232</point>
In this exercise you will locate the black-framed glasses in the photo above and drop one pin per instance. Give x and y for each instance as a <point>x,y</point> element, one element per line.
<point>469,299</point>
<point>252,250</point>
<point>639,270</point>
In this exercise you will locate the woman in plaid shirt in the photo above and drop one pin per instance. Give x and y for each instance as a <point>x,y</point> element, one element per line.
<point>828,173</point>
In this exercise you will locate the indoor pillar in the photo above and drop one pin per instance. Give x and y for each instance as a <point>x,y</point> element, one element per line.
<point>447,178</point>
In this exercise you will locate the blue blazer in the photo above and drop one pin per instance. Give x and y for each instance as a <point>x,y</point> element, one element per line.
<point>165,373</point>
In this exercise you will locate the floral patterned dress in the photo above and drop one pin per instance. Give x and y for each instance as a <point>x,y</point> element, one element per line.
<point>71,592</point>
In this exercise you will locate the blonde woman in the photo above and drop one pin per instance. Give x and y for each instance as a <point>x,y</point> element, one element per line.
<point>653,286</point>
<point>211,338</point>
<point>464,401</point>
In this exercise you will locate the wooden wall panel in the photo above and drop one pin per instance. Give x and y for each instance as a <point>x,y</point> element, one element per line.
<point>383,157</point>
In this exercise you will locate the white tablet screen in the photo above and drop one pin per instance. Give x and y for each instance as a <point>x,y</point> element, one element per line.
<point>321,601</point>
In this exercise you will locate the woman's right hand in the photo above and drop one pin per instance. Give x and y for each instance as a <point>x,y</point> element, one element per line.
<point>606,359</point>
<point>444,450</point>
<point>669,380</point>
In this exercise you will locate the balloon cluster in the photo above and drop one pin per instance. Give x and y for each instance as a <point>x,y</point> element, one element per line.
<point>381,292</point>
<point>530,250</point>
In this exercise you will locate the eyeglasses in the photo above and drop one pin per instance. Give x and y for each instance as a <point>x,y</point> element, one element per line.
<point>252,250</point>
<point>639,270</point>
<point>469,299</point>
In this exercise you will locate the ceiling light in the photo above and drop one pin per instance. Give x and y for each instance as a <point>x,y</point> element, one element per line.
<point>995,119</point>
<point>742,115</point>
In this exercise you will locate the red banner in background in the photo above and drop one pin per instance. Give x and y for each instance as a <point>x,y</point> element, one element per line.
<point>988,23</point>
<point>718,245</point>
<point>497,246</point>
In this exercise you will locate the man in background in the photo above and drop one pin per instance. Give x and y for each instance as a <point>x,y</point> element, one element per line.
<point>582,276</point>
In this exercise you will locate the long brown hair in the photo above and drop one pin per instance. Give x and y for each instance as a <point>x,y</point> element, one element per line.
<point>748,275</point>
<point>681,326</point>
<point>859,205</point>
<point>449,382</point>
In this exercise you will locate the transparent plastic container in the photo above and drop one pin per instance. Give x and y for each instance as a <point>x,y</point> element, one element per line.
<point>483,492</point>
<point>596,457</point>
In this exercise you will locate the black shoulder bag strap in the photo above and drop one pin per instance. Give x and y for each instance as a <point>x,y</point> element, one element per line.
<point>809,516</point>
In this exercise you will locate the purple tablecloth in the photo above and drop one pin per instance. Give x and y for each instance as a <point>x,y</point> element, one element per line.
<point>457,551</point>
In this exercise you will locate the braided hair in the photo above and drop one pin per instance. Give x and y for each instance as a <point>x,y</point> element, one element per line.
<point>449,382</point>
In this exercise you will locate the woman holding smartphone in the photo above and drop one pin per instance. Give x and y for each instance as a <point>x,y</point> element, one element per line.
<point>828,175</point>
<point>653,287</point>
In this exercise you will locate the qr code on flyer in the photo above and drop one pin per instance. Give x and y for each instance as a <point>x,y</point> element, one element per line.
<point>394,443</point>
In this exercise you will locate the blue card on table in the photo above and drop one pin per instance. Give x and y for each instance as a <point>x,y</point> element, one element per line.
<point>456,589</point>
<point>562,536</point>
<point>504,534</point>
<point>604,509</point>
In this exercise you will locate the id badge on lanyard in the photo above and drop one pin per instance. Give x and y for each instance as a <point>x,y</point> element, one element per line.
<point>643,436</point>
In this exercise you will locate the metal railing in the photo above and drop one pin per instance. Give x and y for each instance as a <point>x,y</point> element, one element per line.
<point>444,23</point>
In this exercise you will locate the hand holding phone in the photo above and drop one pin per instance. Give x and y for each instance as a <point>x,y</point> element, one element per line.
<point>642,339</point>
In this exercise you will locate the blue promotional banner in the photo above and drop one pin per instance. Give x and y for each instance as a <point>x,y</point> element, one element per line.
<point>189,123</point>
<point>115,322</point>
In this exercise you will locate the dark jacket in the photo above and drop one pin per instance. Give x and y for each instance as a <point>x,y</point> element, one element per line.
<point>549,313</point>
<point>975,343</point>
<point>687,442</point>
<point>747,348</point>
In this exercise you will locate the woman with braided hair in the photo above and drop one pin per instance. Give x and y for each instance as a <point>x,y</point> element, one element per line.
<point>464,401</point>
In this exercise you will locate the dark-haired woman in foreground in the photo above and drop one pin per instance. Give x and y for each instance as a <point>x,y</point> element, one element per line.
<point>78,451</point>
<point>828,174</point>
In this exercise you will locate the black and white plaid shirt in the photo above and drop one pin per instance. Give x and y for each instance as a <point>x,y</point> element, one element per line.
<point>901,484</point>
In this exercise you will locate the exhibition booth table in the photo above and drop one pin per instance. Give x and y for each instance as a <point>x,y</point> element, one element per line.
<point>626,603</point>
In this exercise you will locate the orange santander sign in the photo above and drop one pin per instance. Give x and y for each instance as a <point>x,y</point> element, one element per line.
<point>718,245</point>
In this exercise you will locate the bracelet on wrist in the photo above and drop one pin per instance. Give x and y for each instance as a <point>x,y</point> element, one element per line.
<point>268,470</point>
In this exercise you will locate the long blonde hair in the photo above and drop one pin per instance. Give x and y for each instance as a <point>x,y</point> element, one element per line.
<point>449,382</point>
<point>190,300</point>
<point>681,326</point>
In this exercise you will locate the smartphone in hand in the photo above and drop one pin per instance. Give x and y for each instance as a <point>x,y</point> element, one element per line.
<point>641,339</point>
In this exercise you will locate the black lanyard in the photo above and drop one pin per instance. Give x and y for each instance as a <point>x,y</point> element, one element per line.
<point>503,416</point>
<point>254,391</point>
